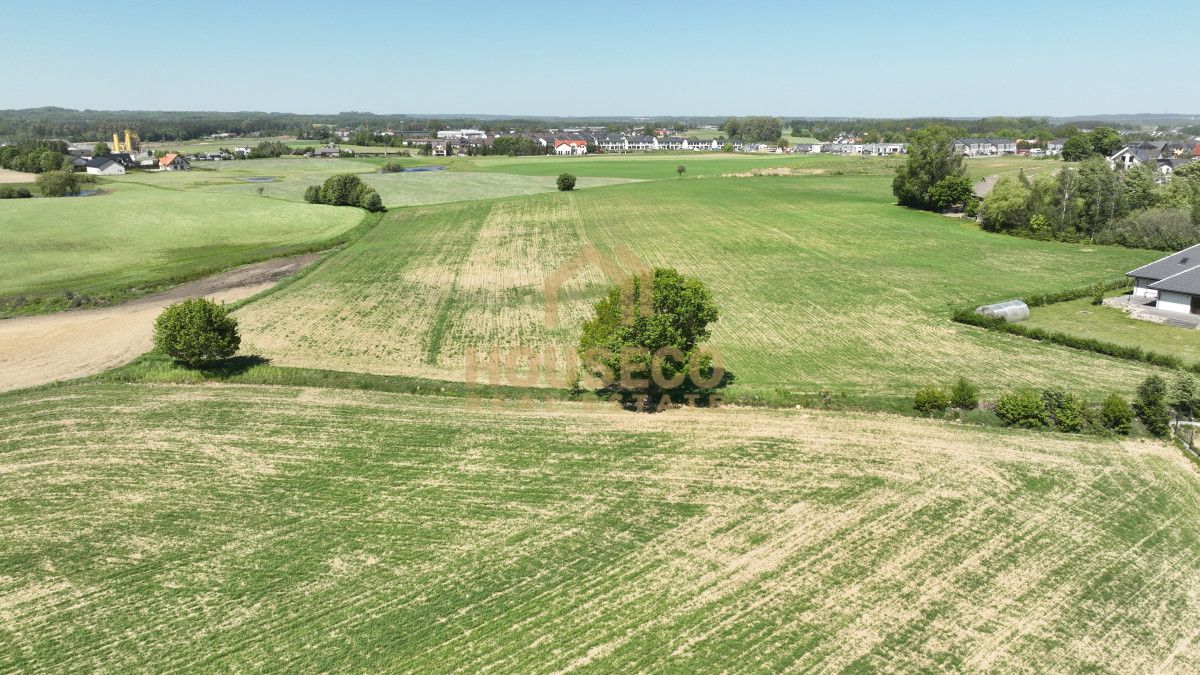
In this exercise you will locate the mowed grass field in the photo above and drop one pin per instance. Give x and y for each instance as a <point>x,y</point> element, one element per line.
<point>823,284</point>
<point>132,236</point>
<point>150,229</point>
<point>1082,318</point>
<point>273,528</point>
<point>287,178</point>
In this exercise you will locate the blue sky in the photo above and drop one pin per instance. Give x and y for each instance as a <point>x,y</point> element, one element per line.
<point>855,58</point>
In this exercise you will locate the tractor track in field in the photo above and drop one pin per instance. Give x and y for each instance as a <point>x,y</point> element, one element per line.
<point>40,349</point>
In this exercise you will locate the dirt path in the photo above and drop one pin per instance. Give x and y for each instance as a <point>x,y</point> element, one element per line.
<point>984,187</point>
<point>39,349</point>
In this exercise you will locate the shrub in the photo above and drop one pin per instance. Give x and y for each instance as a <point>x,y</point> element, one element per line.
<point>195,332</point>
<point>1071,414</point>
<point>312,194</point>
<point>1151,405</point>
<point>566,182</point>
<point>971,209</point>
<point>392,167</point>
<point>371,201</point>
<point>964,395</point>
<point>1184,397</point>
<point>1115,414</point>
<point>1022,408</point>
<point>58,183</point>
<point>929,400</point>
<point>13,192</point>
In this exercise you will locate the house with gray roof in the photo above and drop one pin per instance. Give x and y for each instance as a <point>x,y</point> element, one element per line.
<point>1173,281</point>
<point>1164,156</point>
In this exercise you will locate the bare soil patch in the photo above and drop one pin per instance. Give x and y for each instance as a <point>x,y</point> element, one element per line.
<point>10,176</point>
<point>39,349</point>
<point>775,171</point>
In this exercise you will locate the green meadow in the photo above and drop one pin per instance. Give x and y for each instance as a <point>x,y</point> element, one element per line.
<point>132,237</point>
<point>823,285</point>
<point>224,527</point>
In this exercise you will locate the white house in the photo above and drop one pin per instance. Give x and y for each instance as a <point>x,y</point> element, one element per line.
<point>1173,281</point>
<point>570,147</point>
<point>1165,156</point>
<point>985,147</point>
<point>105,166</point>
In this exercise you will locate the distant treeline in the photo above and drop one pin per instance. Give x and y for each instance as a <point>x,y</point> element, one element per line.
<point>63,123</point>
<point>897,130</point>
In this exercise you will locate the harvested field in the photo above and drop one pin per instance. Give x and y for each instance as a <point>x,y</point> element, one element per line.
<point>10,176</point>
<point>222,527</point>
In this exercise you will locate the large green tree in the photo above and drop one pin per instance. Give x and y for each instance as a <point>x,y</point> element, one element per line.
<point>1006,207</point>
<point>1099,194</point>
<point>931,159</point>
<point>1105,140</point>
<point>1077,148</point>
<point>646,337</point>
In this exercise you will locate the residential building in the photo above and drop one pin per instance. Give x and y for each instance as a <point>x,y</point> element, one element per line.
<point>1173,281</point>
<point>173,162</point>
<point>105,166</point>
<point>1164,156</point>
<point>570,147</point>
<point>985,147</point>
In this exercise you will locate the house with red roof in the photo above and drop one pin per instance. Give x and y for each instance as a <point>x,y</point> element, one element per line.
<point>172,162</point>
<point>574,146</point>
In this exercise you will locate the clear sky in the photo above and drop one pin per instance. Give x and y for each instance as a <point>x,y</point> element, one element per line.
<point>872,58</point>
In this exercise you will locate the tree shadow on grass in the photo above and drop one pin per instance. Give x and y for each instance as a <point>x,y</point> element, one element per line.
<point>231,367</point>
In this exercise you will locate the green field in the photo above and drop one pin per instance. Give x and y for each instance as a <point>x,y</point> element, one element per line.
<point>1082,318</point>
<point>150,229</point>
<point>290,176</point>
<point>822,281</point>
<point>227,527</point>
<point>660,167</point>
<point>133,236</point>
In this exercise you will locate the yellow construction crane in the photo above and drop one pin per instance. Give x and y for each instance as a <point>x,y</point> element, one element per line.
<point>131,142</point>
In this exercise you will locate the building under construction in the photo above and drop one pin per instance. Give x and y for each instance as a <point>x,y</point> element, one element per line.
<point>131,144</point>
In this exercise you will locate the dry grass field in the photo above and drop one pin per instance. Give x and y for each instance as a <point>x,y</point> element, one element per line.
<point>273,528</point>
<point>822,284</point>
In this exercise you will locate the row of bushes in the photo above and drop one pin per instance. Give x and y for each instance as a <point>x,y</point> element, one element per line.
<point>1068,412</point>
<point>1099,288</point>
<point>969,317</point>
<point>344,189</point>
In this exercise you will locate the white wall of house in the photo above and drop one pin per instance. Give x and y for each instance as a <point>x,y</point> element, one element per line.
<point>1141,289</point>
<point>113,169</point>
<point>1174,302</point>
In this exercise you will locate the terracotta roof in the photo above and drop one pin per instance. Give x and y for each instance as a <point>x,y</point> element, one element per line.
<point>166,159</point>
<point>569,142</point>
<point>1196,150</point>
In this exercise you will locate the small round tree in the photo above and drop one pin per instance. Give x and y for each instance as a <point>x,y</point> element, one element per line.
<point>681,169</point>
<point>195,332</point>
<point>566,182</point>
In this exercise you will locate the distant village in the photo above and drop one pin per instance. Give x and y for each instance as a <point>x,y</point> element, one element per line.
<point>127,154</point>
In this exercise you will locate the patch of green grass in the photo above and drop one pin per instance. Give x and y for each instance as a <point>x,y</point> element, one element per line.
<point>309,529</point>
<point>133,238</point>
<point>1082,318</point>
